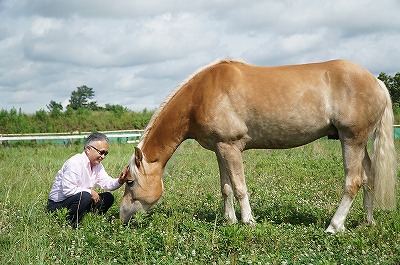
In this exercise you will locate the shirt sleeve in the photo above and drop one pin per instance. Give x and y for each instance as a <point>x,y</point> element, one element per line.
<point>105,181</point>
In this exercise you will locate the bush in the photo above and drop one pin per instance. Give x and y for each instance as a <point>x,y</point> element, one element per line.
<point>82,120</point>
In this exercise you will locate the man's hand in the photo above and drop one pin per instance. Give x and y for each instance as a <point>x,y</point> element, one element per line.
<point>95,196</point>
<point>123,176</point>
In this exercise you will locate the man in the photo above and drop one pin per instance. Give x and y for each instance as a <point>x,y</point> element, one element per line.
<point>74,183</point>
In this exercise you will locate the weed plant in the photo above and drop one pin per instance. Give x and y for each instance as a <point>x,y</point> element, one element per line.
<point>294,194</point>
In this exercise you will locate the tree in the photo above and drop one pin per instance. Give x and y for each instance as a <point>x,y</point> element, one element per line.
<point>393,85</point>
<point>117,109</point>
<point>81,97</point>
<point>41,115</point>
<point>54,107</point>
<point>92,105</point>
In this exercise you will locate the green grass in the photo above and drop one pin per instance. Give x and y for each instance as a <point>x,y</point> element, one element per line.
<point>294,194</point>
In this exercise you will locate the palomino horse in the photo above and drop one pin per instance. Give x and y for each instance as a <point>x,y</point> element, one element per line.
<point>231,106</point>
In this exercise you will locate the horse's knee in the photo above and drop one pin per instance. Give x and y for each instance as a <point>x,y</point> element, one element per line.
<point>240,192</point>
<point>226,190</point>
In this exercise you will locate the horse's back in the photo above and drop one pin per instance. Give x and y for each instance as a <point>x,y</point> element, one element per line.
<point>285,106</point>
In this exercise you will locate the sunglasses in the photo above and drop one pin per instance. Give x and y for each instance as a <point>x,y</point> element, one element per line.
<point>101,152</point>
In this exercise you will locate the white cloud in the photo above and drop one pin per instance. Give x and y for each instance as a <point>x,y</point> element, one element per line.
<point>135,52</point>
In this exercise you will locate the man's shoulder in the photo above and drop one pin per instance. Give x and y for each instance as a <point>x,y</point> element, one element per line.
<point>76,159</point>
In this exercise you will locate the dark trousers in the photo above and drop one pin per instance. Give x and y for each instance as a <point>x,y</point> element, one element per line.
<point>81,203</point>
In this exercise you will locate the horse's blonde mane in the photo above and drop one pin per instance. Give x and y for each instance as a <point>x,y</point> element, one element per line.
<point>175,91</point>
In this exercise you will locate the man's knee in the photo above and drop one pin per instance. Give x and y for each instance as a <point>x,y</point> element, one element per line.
<point>52,206</point>
<point>107,200</point>
<point>84,199</point>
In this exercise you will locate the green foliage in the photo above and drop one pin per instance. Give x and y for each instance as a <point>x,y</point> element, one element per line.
<point>54,107</point>
<point>81,115</point>
<point>80,98</point>
<point>82,120</point>
<point>393,85</point>
<point>117,109</point>
<point>294,193</point>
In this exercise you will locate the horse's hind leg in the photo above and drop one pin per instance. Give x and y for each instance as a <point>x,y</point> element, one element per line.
<point>368,183</point>
<point>352,158</point>
<point>233,183</point>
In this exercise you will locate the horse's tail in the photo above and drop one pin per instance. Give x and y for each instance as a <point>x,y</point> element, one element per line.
<point>384,162</point>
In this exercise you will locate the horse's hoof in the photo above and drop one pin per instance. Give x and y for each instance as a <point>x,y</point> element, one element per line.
<point>230,221</point>
<point>371,222</point>
<point>251,223</point>
<point>332,229</point>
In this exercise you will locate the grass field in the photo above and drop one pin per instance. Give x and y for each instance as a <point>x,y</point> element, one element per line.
<point>294,194</point>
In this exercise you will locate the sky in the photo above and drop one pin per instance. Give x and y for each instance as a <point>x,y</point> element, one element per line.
<point>135,53</point>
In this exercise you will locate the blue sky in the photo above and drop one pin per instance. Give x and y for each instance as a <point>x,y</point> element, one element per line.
<point>134,53</point>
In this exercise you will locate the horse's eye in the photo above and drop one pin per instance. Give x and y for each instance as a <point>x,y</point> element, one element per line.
<point>129,182</point>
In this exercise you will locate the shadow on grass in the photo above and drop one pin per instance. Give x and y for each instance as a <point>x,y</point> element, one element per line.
<point>180,214</point>
<point>277,214</point>
<point>286,214</point>
<point>281,214</point>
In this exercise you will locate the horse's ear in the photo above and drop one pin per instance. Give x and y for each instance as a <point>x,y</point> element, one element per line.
<point>138,156</point>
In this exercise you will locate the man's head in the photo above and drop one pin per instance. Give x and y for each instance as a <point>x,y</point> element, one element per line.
<point>96,147</point>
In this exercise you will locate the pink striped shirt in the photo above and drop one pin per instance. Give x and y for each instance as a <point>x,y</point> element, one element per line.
<point>76,176</point>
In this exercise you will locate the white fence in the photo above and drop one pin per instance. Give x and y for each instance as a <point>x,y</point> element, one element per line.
<point>128,136</point>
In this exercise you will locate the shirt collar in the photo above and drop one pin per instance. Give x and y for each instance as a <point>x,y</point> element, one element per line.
<point>86,158</point>
<point>87,161</point>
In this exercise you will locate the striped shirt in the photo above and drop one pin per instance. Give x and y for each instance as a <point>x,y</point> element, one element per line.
<point>76,175</point>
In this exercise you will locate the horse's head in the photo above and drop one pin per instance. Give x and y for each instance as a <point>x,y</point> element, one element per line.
<point>143,187</point>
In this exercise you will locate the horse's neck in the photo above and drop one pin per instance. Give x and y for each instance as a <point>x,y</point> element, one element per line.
<point>166,134</point>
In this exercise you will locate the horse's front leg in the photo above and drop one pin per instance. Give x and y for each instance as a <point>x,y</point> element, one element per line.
<point>233,183</point>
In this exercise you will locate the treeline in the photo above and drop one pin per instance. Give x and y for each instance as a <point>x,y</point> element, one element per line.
<point>80,120</point>
<point>393,85</point>
<point>82,114</point>
<point>85,115</point>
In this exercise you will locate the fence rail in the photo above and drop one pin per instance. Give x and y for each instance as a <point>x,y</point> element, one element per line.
<point>128,136</point>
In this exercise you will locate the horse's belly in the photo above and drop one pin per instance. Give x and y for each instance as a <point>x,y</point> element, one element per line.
<point>282,141</point>
<point>287,135</point>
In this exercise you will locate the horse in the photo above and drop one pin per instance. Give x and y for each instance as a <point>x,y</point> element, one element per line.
<point>230,106</point>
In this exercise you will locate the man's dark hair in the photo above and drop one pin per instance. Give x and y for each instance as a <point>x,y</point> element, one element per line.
<point>95,136</point>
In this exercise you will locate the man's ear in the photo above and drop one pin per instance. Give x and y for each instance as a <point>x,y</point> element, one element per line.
<point>138,156</point>
<point>86,149</point>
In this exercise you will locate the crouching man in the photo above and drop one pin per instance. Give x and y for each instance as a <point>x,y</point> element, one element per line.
<point>73,186</point>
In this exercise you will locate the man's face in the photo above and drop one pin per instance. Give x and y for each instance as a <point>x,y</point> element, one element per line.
<point>96,152</point>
